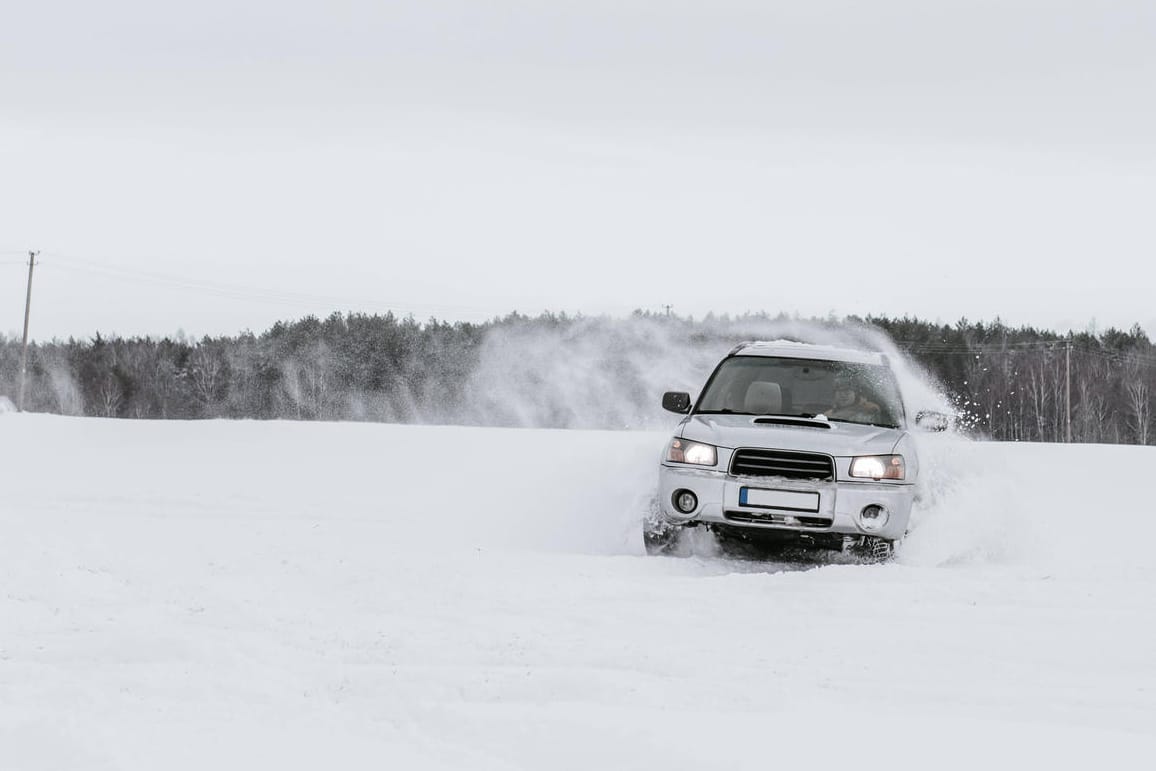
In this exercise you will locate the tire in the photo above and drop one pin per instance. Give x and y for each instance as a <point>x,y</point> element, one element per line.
<point>661,538</point>
<point>883,550</point>
<point>872,549</point>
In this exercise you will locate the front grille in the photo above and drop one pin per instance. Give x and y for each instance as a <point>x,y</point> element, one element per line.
<point>780,463</point>
<point>767,518</point>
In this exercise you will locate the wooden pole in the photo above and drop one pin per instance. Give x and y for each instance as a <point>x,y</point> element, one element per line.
<point>1068,389</point>
<point>24,348</point>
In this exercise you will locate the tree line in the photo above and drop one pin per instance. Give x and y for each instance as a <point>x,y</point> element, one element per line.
<point>1007,383</point>
<point>1026,384</point>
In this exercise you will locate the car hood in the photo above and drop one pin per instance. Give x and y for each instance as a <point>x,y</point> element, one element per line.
<point>841,439</point>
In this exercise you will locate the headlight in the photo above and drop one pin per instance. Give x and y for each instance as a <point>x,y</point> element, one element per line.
<point>682,451</point>
<point>878,467</point>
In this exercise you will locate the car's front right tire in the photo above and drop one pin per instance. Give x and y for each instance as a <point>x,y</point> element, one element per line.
<point>661,537</point>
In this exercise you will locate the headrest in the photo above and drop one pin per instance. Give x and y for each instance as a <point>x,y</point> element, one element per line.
<point>764,398</point>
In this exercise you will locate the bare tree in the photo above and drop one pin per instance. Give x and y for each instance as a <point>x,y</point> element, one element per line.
<point>307,383</point>
<point>207,374</point>
<point>111,394</point>
<point>1038,388</point>
<point>1138,399</point>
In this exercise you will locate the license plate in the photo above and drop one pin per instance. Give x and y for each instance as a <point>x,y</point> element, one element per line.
<point>788,500</point>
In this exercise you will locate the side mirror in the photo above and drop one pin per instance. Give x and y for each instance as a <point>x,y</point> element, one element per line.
<point>676,401</point>
<point>929,420</point>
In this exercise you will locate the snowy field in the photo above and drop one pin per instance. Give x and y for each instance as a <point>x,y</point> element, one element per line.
<point>243,595</point>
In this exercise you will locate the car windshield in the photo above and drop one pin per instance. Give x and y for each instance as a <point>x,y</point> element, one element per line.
<point>841,391</point>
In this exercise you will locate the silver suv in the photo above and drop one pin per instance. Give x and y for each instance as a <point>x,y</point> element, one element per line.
<point>791,443</point>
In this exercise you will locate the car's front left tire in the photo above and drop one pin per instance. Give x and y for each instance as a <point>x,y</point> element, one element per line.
<point>871,549</point>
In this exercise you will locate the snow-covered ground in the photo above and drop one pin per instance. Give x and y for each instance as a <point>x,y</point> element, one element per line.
<point>220,595</point>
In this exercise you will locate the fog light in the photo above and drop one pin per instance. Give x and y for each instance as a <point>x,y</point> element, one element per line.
<point>685,501</point>
<point>873,518</point>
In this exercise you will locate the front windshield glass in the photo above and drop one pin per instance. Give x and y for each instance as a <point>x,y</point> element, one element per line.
<point>766,385</point>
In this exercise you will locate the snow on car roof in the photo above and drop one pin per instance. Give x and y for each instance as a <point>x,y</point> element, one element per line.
<point>794,350</point>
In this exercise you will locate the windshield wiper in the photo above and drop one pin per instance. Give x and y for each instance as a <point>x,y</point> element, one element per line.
<point>726,411</point>
<point>723,412</point>
<point>862,423</point>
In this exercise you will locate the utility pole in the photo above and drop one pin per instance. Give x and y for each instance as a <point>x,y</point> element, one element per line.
<point>1068,387</point>
<point>24,348</point>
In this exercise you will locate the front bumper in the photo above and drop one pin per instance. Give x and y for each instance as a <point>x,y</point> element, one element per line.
<point>838,508</point>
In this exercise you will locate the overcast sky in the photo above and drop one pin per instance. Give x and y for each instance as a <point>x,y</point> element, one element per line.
<point>215,166</point>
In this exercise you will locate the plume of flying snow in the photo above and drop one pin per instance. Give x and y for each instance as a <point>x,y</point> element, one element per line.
<point>611,373</point>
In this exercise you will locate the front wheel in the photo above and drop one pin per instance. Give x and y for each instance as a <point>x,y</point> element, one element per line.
<point>660,537</point>
<point>870,548</point>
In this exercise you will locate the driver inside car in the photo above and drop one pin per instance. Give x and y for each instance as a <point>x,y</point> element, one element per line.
<point>850,404</point>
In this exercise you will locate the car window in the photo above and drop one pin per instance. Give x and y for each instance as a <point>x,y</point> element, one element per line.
<point>765,385</point>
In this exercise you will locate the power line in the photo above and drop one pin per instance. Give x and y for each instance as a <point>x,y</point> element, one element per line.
<point>239,291</point>
<point>960,346</point>
<point>1049,346</point>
